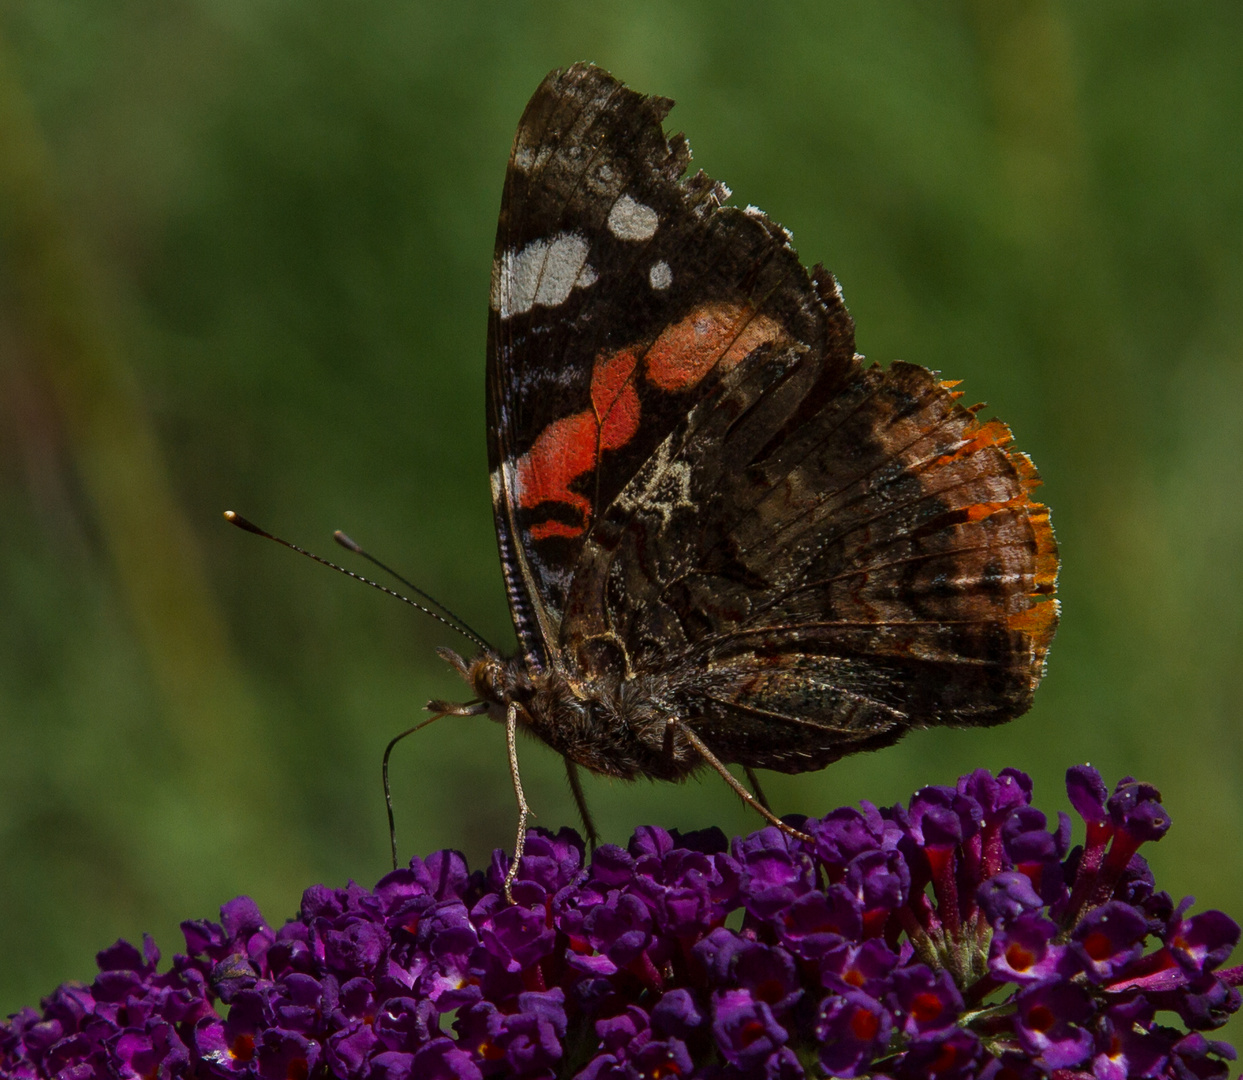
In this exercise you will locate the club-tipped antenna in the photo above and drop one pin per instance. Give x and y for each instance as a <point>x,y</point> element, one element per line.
<point>353,545</point>
<point>251,527</point>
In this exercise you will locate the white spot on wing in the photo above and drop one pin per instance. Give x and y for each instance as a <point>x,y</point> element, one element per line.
<point>541,273</point>
<point>662,488</point>
<point>660,276</point>
<point>494,297</point>
<point>524,158</point>
<point>631,220</point>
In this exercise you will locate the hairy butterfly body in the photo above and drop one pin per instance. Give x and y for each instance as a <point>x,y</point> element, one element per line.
<point>724,538</point>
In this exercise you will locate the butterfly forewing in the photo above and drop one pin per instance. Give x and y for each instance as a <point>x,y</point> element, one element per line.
<point>621,292</point>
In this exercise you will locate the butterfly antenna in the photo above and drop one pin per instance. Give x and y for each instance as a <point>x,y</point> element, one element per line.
<point>251,527</point>
<point>356,548</point>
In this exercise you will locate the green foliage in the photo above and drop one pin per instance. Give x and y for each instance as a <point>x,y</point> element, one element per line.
<point>244,258</point>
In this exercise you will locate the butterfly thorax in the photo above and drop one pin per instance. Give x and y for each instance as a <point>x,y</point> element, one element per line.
<point>609,724</point>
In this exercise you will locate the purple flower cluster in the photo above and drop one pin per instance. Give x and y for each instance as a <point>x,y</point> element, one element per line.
<point>958,936</point>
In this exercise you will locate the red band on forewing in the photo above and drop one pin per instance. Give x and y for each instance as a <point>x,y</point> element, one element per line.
<point>570,447</point>
<point>545,529</point>
<point>715,335</point>
<point>565,449</point>
<point>710,335</point>
<point>615,399</point>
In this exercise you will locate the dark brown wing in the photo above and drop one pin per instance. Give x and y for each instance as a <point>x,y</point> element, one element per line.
<point>621,296</point>
<point>802,575</point>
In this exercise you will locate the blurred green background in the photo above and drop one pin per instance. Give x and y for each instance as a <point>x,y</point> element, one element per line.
<point>244,257</point>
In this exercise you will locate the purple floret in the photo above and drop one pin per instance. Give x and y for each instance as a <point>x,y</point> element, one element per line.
<point>959,936</point>
<point>853,1029</point>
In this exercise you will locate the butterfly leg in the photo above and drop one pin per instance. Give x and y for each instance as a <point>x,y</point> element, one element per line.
<point>388,791</point>
<point>580,800</point>
<point>730,779</point>
<point>524,811</point>
<point>754,781</point>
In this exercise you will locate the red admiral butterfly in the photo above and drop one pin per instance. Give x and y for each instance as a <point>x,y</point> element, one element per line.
<point>725,539</point>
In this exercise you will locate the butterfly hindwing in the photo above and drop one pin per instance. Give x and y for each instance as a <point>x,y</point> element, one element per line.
<point>802,584</point>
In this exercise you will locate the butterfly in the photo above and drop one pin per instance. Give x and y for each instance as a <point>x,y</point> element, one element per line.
<point>725,538</point>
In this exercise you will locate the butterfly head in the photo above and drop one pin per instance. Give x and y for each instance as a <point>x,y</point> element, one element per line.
<point>494,681</point>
